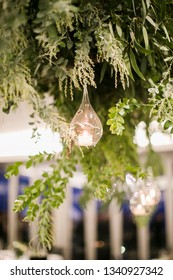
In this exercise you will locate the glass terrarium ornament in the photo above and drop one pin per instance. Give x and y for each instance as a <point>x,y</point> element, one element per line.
<point>139,205</point>
<point>86,128</point>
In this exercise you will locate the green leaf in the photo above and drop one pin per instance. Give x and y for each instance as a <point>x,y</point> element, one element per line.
<point>111,29</point>
<point>41,14</point>
<point>52,31</point>
<point>148,3</point>
<point>111,115</point>
<point>45,174</point>
<point>109,122</point>
<point>34,191</point>
<point>103,70</point>
<point>69,44</point>
<point>145,36</point>
<point>38,30</point>
<point>13,169</point>
<point>141,49</point>
<point>151,21</point>
<point>122,112</point>
<point>28,163</point>
<point>112,109</point>
<point>167,124</point>
<point>118,28</point>
<point>169,58</point>
<point>128,65</point>
<point>166,32</point>
<point>135,66</point>
<point>144,10</point>
<point>62,44</point>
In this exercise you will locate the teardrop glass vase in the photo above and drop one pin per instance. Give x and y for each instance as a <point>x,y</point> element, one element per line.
<point>139,204</point>
<point>86,128</point>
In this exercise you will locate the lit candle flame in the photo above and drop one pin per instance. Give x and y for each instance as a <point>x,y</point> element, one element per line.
<point>85,139</point>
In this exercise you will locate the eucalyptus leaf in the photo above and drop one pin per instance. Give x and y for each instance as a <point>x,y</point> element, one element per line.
<point>135,66</point>
<point>144,10</point>
<point>145,35</point>
<point>103,70</point>
<point>166,32</point>
<point>141,49</point>
<point>151,21</point>
<point>118,28</point>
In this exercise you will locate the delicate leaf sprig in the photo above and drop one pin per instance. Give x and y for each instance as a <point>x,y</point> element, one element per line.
<point>110,49</point>
<point>116,114</point>
<point>45,194</point>
<point>161,101</point>
<point>83,69</point>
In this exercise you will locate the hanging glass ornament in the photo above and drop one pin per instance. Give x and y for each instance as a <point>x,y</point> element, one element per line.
<point>86,128</point>
<point>138,203</point>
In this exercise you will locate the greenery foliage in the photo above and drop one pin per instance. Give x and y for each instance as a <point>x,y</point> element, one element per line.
<point>121,50</point>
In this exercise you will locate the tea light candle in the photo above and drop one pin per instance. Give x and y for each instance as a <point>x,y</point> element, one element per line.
<point>139,210</point>
<point>85,139</point>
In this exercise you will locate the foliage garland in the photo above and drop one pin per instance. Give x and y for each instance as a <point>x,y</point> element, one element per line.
<point>122,50</point>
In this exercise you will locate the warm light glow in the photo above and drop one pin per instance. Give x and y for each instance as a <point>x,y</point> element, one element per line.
<point>99,244</point>
<point>85,139</point>
<point>143,199</point>
<point>139,210</point>
<point>154,195</point>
